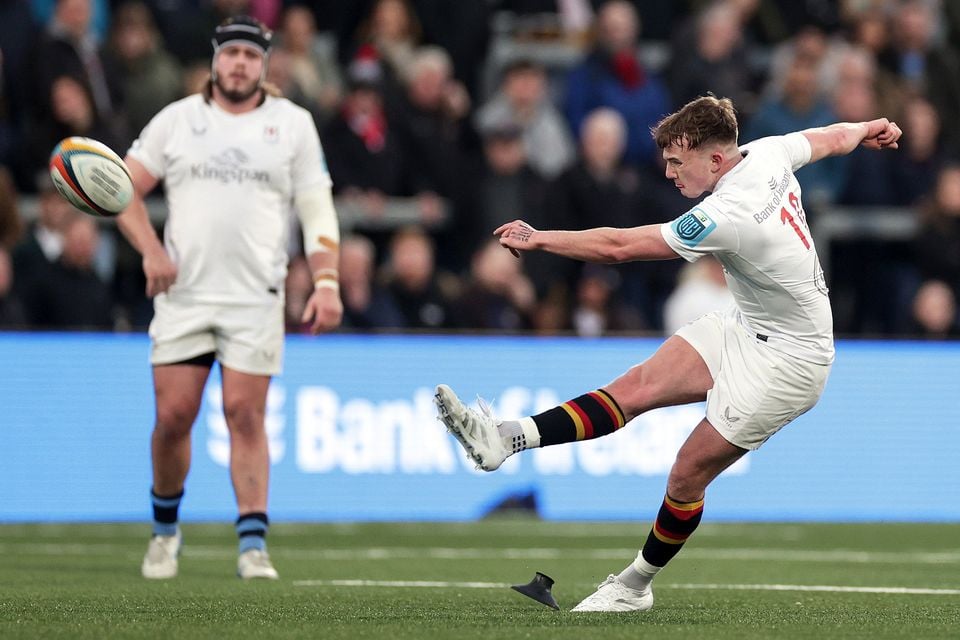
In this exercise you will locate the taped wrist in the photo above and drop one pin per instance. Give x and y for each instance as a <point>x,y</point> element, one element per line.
<point>318,219</point>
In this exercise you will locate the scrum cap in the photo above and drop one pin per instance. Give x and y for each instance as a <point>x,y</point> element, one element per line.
<point>242,30</point>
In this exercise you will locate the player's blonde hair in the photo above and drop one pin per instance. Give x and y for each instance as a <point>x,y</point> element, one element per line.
<point>704,120</point>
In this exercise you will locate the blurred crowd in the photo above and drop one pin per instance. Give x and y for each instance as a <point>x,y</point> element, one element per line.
<point>478,112</point>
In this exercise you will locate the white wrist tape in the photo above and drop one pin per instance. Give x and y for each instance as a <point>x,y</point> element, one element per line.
<point>318,218</point>
<point>328,278</point>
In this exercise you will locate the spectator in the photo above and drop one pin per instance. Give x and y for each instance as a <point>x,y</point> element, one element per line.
<point>702,288</point>
<point>921,155</point>
<point>12,315</point>
<point>935,311</point>
<point>72,114</point>
<point>717,62</point>
<point>361,148</point>
<point>432,128</point>
<point>43,243</point>
<point>923,65</point>
<point>462,29</point>
<point>508,189</point>
<point>149,75</point>
<point>800,108</point>
<point>869,272</point>
<point>69,48</point>
<point>810,46</point>
<point>497,296</point>
<point>389,35</point>
<point>366,304</point>
<point>858,66</point>
<point>43,10</point>
<point>597,310</point>
<point>313,61</point>
<point>868,178</point>
<point>937,244</point>
<point>600,190</point>
<point>613,76</point>
<point>69,294</point>
<point>870,30</point>
<point>423,296</point>
<point>523,99</point>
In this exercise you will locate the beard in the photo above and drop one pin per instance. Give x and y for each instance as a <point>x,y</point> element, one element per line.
<point>237,95</point>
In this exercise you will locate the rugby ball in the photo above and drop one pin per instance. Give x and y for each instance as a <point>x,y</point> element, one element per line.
<point>90,176</point>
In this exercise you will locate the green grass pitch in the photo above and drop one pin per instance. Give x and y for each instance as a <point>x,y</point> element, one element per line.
<point>449,580</point>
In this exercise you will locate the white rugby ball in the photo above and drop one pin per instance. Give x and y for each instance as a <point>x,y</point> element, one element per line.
<point>90,176</point>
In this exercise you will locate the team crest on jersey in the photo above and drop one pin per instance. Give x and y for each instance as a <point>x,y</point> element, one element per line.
<point>693,227</point>
<point>271,133</point>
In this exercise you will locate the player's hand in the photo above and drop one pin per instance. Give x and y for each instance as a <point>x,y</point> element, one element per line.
<point>324,310</point>
<point>882,134</point>
<point>160,271</point>
<point>516,236</point>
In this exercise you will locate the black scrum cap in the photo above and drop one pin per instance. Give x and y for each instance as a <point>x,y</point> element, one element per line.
<point>242,30</point>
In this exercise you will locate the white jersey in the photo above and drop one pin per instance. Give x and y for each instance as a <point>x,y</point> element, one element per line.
<point>754,224</point>
<point>230,181</point>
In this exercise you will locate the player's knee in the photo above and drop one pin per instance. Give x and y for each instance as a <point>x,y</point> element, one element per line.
<point>174,420</point>
<point>685,483</point>
<point>637,391</point>
<point>244,419</point>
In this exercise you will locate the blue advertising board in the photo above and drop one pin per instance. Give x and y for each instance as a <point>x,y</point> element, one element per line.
<point>354,436</point>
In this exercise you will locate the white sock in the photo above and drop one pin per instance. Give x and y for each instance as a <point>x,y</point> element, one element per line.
<point>639,573</point>
<point>517,435</point>
<point>530,432</point>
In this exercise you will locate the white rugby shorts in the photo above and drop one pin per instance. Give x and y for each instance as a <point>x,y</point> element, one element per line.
<point>756,389</point>
<point>246,338</point>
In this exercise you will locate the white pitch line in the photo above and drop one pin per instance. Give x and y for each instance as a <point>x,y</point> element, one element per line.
<point>400,583</point>
<point>817,587</point>
<point>208,551</point>
<point>439,584</point>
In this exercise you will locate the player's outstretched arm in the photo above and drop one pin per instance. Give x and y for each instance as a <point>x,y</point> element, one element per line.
<point>603,244</point>
<point>843,137</point>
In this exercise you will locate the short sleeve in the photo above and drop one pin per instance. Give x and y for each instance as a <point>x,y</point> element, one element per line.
<point>798,149</point>
<point>701,231</point>
<point>148,149</point>
<point>309,163</point>
<point>792,149</point>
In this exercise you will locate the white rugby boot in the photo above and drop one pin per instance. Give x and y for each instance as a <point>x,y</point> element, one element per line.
<point>255,563</point>
<point>161,561</point>
<point>613,595</point>
<point>477,432</point>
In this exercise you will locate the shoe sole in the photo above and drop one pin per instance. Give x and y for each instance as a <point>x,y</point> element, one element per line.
<point>260,576</point>
<point>452,427</point>
<point>647,605</point>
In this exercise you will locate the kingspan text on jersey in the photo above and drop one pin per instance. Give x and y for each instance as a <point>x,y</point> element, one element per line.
<point>227,175</point>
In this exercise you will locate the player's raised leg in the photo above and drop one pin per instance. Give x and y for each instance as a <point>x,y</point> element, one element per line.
<point>179,389</point>
<point>244,406</point>
<point>675,374</point>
